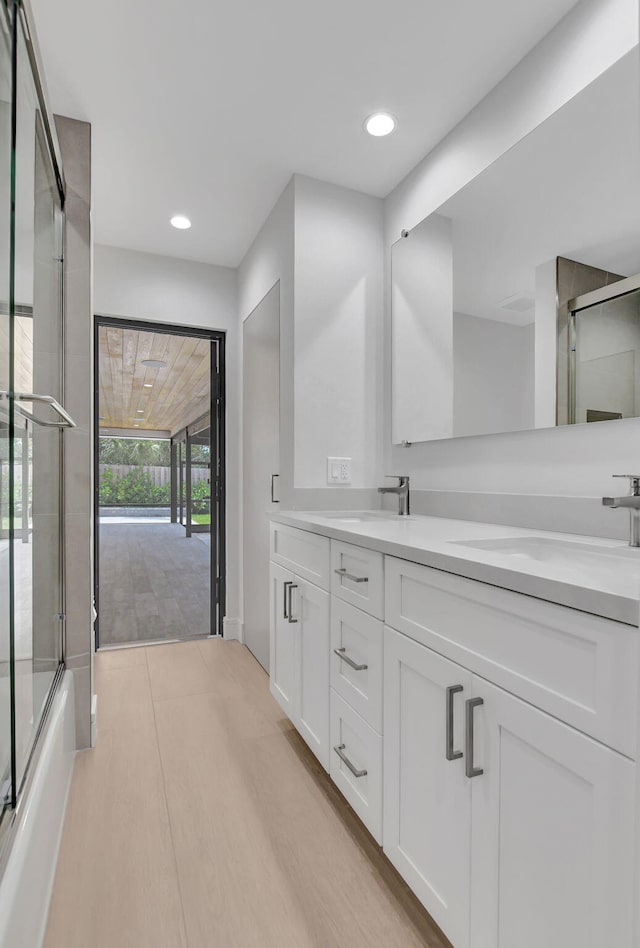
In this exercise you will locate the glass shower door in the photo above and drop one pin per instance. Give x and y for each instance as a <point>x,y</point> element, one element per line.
<point>36,419</point>
<point>5,331</point>
<point>31,414</point>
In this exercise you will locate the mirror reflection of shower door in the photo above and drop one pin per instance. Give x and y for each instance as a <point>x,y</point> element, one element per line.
<point>604,367</point>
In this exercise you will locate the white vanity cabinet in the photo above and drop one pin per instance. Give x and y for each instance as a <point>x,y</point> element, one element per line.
<point>536,848</point>
<point>486,738</point>
<point>427,797</point>
<point>299,637</point>
<point>357,610</point>
<point>552,838</point>
<point>511,825</point>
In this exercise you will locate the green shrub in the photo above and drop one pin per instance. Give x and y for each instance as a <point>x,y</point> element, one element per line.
<point>135,487</point>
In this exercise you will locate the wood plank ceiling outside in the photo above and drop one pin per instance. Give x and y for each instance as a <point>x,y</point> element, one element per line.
<point>178,394</point>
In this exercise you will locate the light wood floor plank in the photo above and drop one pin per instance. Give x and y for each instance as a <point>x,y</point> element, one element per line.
<point>116,884</point>
<point>124,697</point>
<point>213,826</point>
<point>111,659</point>
<point>177,670</point>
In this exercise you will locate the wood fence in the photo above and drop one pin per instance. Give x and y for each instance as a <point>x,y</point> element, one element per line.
<point>160,475</point>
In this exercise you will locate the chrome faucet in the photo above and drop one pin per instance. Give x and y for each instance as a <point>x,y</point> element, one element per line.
<point>402,490</point>
<point>632,502</point>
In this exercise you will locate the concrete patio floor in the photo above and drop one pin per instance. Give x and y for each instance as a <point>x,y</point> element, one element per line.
<point>154,583</point>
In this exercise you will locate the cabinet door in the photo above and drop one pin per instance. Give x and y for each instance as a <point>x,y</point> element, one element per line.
<point>552,844</point>
<point>310,612</point>
<point>427,798</point>
<point>283,676</point>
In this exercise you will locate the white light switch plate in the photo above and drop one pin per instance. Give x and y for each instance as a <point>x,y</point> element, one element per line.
<point>338,470</point>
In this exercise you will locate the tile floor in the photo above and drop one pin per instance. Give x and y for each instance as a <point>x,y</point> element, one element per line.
<point>201,820</point>
<point>154,583</point>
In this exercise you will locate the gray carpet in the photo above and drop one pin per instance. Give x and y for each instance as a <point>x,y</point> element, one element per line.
<point>154,583</point>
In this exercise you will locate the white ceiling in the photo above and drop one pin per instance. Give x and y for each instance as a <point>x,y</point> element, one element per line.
<point>207,108</point>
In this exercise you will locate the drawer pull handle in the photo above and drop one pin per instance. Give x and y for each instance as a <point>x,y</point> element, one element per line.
<point>450,753</point>
<point>340,652</point>
<point>354,579</point>
<point>339,748</point>
<point>290,588</point>
<point>470,705</point>
<point>285,586</point>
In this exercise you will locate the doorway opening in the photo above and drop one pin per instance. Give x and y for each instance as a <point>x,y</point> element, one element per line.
<point>159,493</point>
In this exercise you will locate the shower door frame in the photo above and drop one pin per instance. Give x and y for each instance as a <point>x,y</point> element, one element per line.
<point>604,294</point>
<point>18,27</point>
<point>217,414</point>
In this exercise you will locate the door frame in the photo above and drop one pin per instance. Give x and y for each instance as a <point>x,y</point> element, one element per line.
<point>217,414</point>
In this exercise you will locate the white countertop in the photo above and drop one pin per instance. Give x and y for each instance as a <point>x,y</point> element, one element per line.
<point>607,585</point>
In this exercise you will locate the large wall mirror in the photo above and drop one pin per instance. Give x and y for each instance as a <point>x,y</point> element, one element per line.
<point>517,305</point>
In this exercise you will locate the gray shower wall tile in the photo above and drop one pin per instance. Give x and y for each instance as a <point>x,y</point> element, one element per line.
<point>75,144</point>
<point>77,468</point>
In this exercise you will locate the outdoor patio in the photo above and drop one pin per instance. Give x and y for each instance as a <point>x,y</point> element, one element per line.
<point>154,582</point>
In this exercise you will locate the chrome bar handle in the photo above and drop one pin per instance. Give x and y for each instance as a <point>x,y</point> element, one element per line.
<point>273,499</point>
<point>470,705</point>
<point>340,652</point>
<point>354,579</point>
<point>291,587</point>
<point>339,749</point>
<point>450,753</point>
<point>289,582</point>
<point>67,420</point>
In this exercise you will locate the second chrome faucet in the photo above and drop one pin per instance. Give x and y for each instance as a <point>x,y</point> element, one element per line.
<point>402,491</point>
<point>632,502</point>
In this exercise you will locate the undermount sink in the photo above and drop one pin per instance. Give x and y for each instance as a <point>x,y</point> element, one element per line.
<point>562,552</point>
<point>365,516</point>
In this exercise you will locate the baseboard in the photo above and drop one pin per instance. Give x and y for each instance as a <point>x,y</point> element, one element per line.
<point>27,881</point>
<point>233,629</point>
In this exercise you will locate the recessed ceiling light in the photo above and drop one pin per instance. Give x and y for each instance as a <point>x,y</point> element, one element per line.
<point>136,426</point>
<point>380,124</point>
<point>154,363</point>
<point>148,384</point>
<point>181,222</point>
<point>141,411</point>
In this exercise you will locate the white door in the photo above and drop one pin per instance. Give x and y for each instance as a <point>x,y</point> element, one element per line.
<point>427,797</point>
<point>261,462</point>
<point>552,818</point>
<point>283,679</point>
<point>310,613</point>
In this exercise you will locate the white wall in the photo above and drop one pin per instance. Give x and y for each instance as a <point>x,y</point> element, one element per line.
<point>574,461</point>
<point>269,259</point>
<point>338,315</point>
<point>137,285</point>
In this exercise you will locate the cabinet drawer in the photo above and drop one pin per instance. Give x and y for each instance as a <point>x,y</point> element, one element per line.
<point>357,576</point>
<point>356,639</point>
<point>306,554</point>
<point>579,667</point>
<point>362,748</point>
